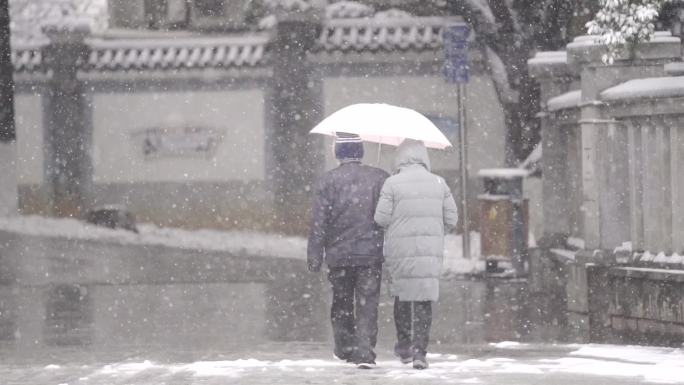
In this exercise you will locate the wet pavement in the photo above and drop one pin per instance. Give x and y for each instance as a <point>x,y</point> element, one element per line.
<point>278,332</point>
<point>267,322</point>
<point>311,363</point>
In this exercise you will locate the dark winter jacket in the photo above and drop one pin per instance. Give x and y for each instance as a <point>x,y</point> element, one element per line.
<point>343,232</point>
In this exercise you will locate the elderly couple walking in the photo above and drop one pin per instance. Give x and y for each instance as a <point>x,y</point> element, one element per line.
<point>357,210</point>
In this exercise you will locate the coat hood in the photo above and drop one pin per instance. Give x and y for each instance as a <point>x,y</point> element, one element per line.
<point>411,152</point>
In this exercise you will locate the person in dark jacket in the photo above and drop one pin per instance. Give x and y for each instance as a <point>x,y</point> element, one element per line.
<point>344,235</point>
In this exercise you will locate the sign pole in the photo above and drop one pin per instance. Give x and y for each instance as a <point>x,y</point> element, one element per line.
<point>455,38</point>
<point>463,141</point>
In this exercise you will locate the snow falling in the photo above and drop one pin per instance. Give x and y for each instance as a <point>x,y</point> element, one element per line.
<point>352,192</point>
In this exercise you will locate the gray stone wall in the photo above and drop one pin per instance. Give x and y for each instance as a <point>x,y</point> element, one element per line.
<point>8,185</point>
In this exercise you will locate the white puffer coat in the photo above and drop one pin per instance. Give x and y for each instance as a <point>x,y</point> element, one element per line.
<point>415,207</point>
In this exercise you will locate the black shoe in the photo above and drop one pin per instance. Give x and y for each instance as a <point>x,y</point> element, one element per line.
<point>420,362</point>
<point>342,356</point>
<point>347,360</point>
<point>405,354</point>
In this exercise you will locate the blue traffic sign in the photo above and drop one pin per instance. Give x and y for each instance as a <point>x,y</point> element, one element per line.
<point>455,38</point>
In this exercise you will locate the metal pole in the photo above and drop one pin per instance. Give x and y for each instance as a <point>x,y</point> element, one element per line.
<point>463,140</point>
<point>377,163</point>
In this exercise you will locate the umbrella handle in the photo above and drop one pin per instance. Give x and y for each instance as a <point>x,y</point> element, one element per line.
<point>377,163</point>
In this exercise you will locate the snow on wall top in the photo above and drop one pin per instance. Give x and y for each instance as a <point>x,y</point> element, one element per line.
<point>549,57</point>
<point>663,87</point>
<point>570,99</point>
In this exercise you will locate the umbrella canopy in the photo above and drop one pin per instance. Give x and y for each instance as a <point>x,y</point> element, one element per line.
<point>383,123</point>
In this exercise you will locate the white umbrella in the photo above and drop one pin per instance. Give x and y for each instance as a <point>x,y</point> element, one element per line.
<point>383,124</point>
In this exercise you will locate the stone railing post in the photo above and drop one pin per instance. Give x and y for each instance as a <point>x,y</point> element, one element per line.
<point>676,18</point>
<point>68,164</point>
<point>295,107</point>
<point>550,69</point>
<point>605,158</point>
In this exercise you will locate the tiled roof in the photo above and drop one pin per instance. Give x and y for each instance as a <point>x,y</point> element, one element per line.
<point>150,54</point>
<point>383,32</point>
<point>374,34</point>
<point>28,58</point>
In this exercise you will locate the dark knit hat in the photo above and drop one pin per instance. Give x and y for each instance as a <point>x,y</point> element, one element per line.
<point>348,146</point>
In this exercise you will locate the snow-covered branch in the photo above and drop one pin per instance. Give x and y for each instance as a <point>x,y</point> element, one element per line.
<point>482,9</point>
<point>507,95</point>
<point>622,22</point>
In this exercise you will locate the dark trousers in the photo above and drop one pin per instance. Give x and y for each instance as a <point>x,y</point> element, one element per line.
<point>413,320</point>
<point>354,311</point>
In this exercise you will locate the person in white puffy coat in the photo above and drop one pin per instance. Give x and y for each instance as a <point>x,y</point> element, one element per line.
<point>416,208</point>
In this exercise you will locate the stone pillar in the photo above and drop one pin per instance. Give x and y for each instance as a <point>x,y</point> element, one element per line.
<point>8,178</point>
<point>68,164</point>
<point>606,219</point>
<point>550,69</point>
<point>295,107</point>
<point>675,18</point>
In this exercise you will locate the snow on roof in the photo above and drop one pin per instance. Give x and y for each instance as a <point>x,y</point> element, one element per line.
<point>662,87</point>
<point>289,5</point>
<point>350,26</point>
<point>348,9</point>
<point>382,33</point>
<point>200,52</point>
<point>28,17</point>
<point>570,99</point>
<point>157,53</point>
<point>393,13</point>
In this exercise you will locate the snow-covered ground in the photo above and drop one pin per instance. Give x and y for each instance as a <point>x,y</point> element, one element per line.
<point>235,242</point>
<point>293,363</point>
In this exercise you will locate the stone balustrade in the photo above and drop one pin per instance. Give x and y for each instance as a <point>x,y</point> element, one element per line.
<point>651,113</point>
<point>613,178</point>
<point>612,146</point>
